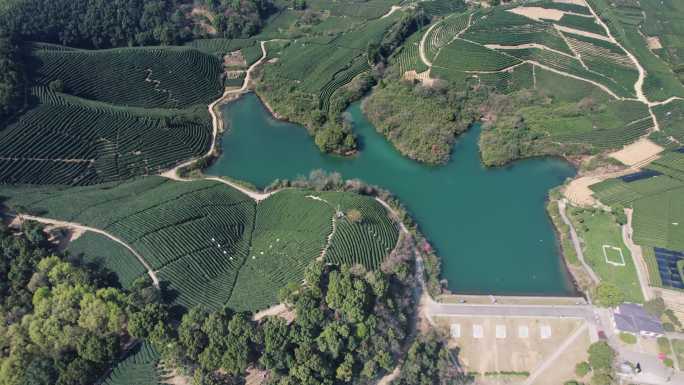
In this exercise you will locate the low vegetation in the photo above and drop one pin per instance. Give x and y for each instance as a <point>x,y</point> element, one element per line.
<point>429,362</point>
<point>606,253</point>
<point>421,122</point>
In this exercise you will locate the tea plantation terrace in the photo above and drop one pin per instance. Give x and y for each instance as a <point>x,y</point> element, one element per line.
<point>211,243</point>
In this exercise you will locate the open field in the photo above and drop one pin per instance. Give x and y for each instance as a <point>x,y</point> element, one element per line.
<point>211,243</point>
<point>606,252</point>
<point>515,344</point>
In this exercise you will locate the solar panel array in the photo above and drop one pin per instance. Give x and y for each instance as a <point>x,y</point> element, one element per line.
<point>667,267</point>
<point>639,175</point>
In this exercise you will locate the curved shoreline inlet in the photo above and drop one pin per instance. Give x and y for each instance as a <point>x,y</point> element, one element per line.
<point>488,225</point>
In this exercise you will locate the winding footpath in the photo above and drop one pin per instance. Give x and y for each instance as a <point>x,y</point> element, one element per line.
<point>78,226</point>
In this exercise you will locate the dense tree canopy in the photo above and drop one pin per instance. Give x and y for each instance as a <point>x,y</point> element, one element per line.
<point>349,327</point>
<point>112,23</point>
<point>11,78</point>
<point>60,322</point>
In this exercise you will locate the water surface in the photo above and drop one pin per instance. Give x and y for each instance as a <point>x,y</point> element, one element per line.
<point>488,225</point>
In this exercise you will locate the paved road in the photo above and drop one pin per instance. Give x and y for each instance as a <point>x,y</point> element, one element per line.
<point>499,310</point>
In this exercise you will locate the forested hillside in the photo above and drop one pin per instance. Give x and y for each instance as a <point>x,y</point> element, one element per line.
<point>11,79</point>
<point>114,23</point>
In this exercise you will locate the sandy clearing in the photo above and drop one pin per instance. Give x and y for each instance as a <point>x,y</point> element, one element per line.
<point>575,2</point>
<point>388,378</point>
<point>423,77</point>
<point>583,33</point>
<point>391,11</point>
<point>234,58</point>
<point>638,152</point>
<point>653,42</point>
<point>279,310</point>
<point>538,13</point>
<point>578,192</point>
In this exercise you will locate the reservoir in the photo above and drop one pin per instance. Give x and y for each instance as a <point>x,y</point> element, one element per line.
<point>488,225</point>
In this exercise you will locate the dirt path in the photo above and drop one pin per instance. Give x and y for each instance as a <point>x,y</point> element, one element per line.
<point>278,310</point>
<point>391,11</point>
<point>576,242</point>
<point>328,240</point>
<point>421,46</point>
<point>80,227</point>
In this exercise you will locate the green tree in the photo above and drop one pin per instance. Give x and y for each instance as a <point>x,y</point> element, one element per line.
<point>609,295</point>
<point>276,354</point>
<point>348,294</point>
<point>98,349</point>
<point>141,323</point>
<point>190,334</point>
<point>41,371</point>
<point>345,371</point>
<point>656,307</point>
<point>601,357</point>
<point>582,368</point>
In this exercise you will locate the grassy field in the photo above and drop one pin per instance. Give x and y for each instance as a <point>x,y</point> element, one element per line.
<point>602,243</point>
<point>212,244</point>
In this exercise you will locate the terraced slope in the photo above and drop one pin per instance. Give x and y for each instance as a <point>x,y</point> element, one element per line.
<point>108,115</point>
<point>138,368</point>
<point>657,196</point>
<point>100,250</point>
<point>211,243</point>
<point>73,141</point>
<point>150,77</point>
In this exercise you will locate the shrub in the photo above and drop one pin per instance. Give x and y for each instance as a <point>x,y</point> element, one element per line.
<point>628,338</point>
<point>601,379</point>
<point>655,307</point>
<point>608,295</point>
<point>582,369</point>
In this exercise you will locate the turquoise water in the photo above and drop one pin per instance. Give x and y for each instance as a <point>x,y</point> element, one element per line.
<point>488,225</point>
